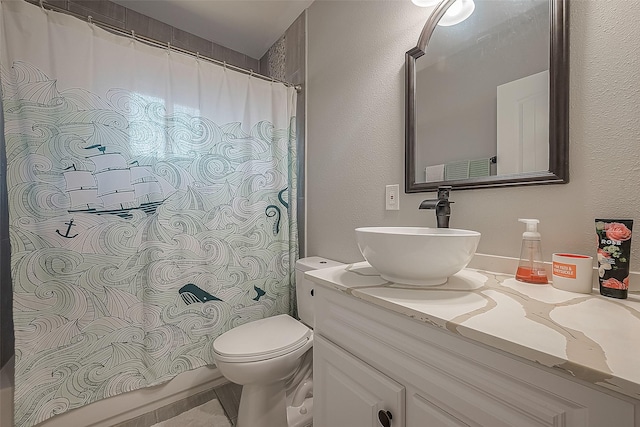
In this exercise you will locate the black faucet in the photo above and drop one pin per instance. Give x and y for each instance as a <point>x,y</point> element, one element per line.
<point>442,205</point>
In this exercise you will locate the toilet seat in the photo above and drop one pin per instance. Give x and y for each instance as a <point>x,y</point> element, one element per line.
<point>262,339</point>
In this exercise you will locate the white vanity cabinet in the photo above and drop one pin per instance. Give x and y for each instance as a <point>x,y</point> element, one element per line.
<point>368,359</point>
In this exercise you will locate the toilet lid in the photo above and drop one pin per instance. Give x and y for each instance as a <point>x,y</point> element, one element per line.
<point>262,339</point>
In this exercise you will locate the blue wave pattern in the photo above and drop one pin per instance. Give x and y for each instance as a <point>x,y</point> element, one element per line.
<point>98,308</point>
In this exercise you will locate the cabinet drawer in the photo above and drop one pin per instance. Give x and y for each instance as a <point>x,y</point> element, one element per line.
<point>451,381</point>
<point>350,393</point>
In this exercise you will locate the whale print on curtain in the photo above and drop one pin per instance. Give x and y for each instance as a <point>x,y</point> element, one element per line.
<point>152,208</point>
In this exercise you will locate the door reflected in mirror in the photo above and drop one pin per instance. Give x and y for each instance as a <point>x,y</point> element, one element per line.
<point>482,109</point>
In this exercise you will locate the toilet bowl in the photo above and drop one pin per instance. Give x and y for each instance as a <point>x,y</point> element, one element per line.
<point>272,359</point>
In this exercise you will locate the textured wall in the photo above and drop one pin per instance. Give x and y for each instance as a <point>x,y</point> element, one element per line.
<point>286,60</point>
<point>356,133</point>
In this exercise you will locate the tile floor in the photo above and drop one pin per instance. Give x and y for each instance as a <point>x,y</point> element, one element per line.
<point>209,414</point>
<point>228,395</point>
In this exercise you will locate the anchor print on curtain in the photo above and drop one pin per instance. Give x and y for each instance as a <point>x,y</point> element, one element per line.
<point>141,184</point>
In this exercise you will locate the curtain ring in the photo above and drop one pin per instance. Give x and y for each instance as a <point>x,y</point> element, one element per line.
<point>224,64</point>
<point>197,56</point>
<point>90,19</point>
<point>250,73</point>
<point>42,5</point>
<point>168,47</point>
<point>133,34</point>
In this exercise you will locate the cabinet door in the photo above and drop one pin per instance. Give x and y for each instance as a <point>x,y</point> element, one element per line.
<point>422,411</point>
<point>349,393</point>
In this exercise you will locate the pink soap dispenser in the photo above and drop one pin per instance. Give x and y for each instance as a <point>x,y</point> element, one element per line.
<point>531,268</point>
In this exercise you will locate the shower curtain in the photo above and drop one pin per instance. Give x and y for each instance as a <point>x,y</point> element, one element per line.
<point>152,207</point>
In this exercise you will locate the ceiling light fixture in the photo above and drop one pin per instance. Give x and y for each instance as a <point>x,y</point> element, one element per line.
<point>425,3</point>
<point>457,12</point>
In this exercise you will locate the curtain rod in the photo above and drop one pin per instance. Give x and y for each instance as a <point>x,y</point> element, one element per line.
<point>157,43</point>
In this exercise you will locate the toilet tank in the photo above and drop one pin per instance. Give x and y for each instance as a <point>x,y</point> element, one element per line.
<point>304,287</point>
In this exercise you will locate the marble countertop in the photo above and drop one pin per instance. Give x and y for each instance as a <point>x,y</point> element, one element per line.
<point>588,336</point>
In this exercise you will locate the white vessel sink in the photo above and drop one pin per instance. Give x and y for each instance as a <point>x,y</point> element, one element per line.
<point>418,256</point>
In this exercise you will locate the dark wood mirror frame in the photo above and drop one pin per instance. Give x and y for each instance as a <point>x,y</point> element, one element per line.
<point>558,172</point>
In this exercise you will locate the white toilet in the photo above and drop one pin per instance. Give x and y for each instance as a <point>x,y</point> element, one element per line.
<point>272,359</point>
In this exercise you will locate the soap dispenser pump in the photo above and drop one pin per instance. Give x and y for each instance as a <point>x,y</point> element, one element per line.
<point>531,268</point>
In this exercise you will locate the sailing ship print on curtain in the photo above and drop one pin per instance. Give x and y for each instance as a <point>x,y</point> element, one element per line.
<point>143,186</point>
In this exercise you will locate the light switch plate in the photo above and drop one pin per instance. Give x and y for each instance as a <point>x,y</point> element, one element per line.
<point>392,197</point>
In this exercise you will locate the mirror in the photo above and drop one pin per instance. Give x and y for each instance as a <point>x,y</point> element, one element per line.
<point>487,99</point>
